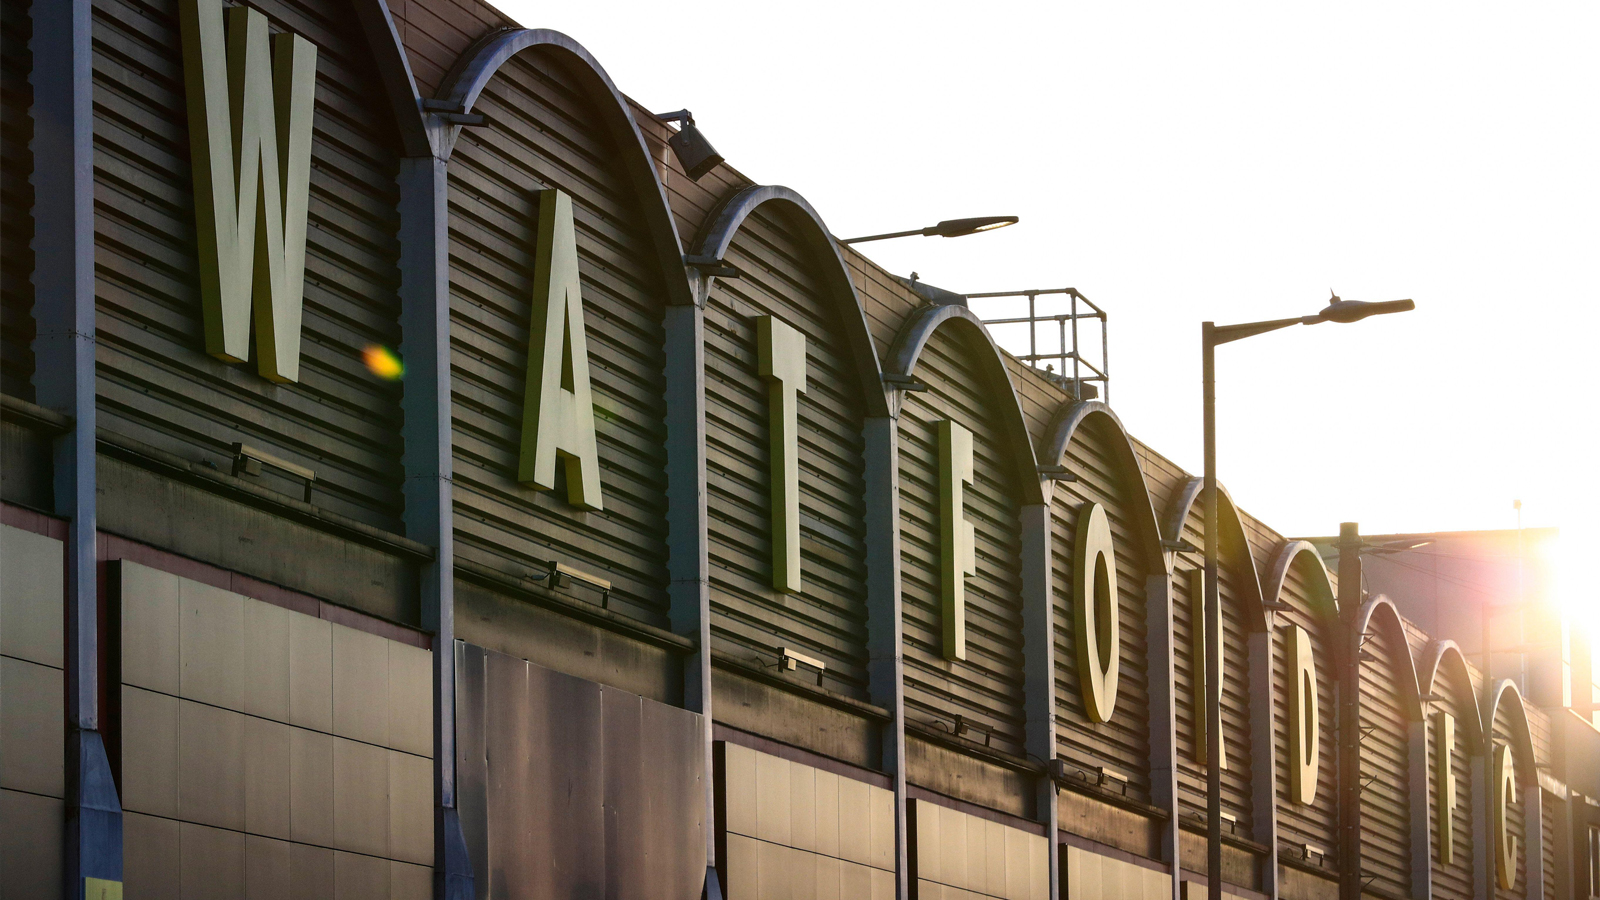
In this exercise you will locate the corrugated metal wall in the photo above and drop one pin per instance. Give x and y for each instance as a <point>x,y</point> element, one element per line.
<point>156,384</point>
<point>16,202</point>
<point>987,686</point>
<point>1189,672</point>
<point>828,619</point>
<point>1124,742</point>
<point>1317,823</point>
<point>1385,766</point>
<point>544,133</point>
<point>1454,880</point>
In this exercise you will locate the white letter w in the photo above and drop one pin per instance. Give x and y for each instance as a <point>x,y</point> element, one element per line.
<point>250,141</point>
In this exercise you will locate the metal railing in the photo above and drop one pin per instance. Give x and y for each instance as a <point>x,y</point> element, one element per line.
<point>1068,347</point>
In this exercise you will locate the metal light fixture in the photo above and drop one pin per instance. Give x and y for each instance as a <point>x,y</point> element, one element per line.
<point>1212,335</point>
<point>947,228</point>
<point>694,152</point>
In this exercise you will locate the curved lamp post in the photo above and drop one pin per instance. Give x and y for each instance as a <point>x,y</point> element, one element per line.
<point>1211,334</point>
<point>947,228</point>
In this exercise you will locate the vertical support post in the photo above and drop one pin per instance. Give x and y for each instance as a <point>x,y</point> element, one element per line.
<point>1163,717</point>
<point>1417,792</point>
<point>1263,755</point>
<point>429,468</point>
<point>1039,666</point>
<point>1213,623</point>
<point>688,561</point>
<point>885,639</point>
<point>63,277</point>
<point>1349,727</point>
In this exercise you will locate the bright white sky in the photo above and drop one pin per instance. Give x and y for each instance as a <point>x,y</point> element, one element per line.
<point>1180,162</point>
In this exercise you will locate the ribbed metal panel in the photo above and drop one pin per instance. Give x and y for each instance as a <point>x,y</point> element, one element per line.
<point>750,619</point>
<point>1123,743</point>
<point>987,686</point>
<point>156,383</point>
<point>1385,765</point>
<point>544,133</point>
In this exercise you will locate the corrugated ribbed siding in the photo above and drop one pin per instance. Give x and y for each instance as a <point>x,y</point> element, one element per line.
<point>1124,742</point>
<point>1385,767</point>
<point>1516,813</point>
<point>1547,826</point>
<point>1317,823</point>
<point>16,202</point>
<point>987,686</point>
<point>543,132</point>
<point>749,618</point>
<point>156,384</point>
<point>1189,670</point>
<point>1454,880</point>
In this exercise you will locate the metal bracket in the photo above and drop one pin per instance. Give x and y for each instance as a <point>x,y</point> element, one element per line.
<point>1056,473</point>
<point>710,266</point>
<point>904,382</point>
<point>453,114</point>
<point>1180,545</point>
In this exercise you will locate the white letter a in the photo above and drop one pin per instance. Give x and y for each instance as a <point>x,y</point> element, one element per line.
<point>557,411</point>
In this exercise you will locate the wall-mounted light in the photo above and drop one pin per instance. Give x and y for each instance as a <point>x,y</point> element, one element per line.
<point>694,152</point>
<point>789,660</point>
<point>248,460</point>
<point>947,228</point>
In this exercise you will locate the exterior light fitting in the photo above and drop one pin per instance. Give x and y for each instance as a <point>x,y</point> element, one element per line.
<point>947,228</point>
<point>1347,311</point>
<point>694,152</point>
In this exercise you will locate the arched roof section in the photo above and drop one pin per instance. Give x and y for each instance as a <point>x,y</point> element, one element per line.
<point>1442,653</point>
<point>1235,544</point>
<point>1506,696</point>
<point>1380,615</point>
<point>394,69</point>
<point>1291,551</point>
<point>907,350</point>
<point>475,68</point>
<point>717,236</point>
<point>1069,418</point>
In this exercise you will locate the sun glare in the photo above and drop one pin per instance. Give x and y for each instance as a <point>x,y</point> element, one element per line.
<point>382,362</point>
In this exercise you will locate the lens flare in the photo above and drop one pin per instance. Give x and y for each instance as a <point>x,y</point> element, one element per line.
<point>382,362</point>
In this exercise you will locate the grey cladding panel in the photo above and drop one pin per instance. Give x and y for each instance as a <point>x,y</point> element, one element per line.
<point>987,687</point>
<point>1124,742</point>
<point>569,789</point>
<point>751,619</point>
<point>543,133</point>
<point>157,385</point>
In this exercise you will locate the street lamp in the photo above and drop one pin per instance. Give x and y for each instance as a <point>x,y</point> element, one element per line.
<point>1211,334</point>
<point>947,228</point>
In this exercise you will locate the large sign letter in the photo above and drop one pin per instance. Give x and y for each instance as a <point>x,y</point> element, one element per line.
<point>1095,616</point>
<point>250,147</point>
<point>1505,794</point>
<point>958,554</point>
<point>782,357</point>
<point>1305,723</point>
<point>1444,781</point>
<point>557,411</point>
<point>1197,656</point>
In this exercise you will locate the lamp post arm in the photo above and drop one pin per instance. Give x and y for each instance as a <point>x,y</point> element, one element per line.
<point>883,237</point>
<point>1223,334</point>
